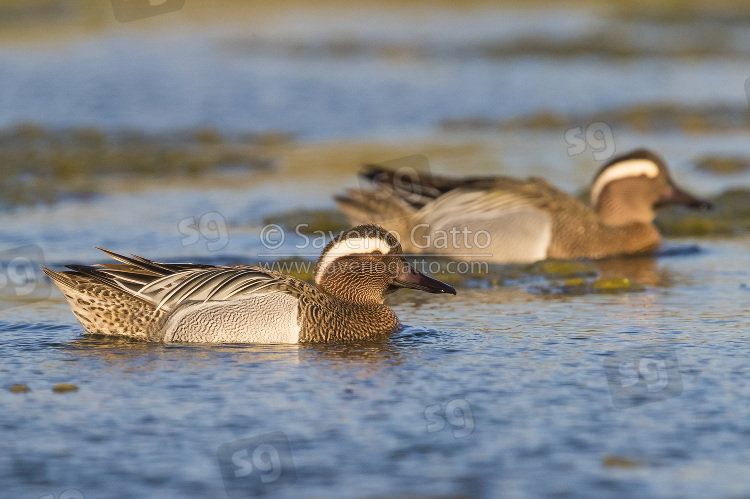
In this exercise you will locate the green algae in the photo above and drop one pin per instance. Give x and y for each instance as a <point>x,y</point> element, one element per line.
<point>309,221</point>
<point>548,277</point>
<point>41,165</point>
<point>613,461</point>
<point>64,388</point>
<point>605,45</point>
<point>615,285</point>
<point>580,286</point>
<point>574,286</point>
<point>723,164</point>
<point>560,269</point>
<point>644,118</point>
<point>574,282</point>
<point>572,277</point>
<point>730,216</point>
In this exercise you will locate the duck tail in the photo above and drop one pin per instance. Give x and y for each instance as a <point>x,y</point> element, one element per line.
<point>102,309</point>
<point>380,207</point>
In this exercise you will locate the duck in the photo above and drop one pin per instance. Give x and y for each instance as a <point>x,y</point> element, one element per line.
<point>508,220</point>
<point>183,302</point>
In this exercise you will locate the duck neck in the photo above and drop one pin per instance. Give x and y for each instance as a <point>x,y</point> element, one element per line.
<point>336,321</point>
<point>355,289</point>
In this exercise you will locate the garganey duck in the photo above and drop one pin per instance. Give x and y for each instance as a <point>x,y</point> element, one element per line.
<point>506,220</point>
<point>182,302</point>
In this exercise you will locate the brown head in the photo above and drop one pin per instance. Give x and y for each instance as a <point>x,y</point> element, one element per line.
<point>363,264</point>
<point>630,188</point>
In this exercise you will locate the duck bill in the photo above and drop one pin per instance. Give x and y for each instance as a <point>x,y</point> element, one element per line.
<point>676,196</point>
<point>409,278</point>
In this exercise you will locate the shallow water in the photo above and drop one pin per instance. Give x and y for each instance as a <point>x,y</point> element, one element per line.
<point>500,391</point>
<point>524,373</point>
<point>360,76</point>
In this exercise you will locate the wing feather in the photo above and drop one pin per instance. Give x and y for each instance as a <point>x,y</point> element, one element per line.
<point>168,285</point>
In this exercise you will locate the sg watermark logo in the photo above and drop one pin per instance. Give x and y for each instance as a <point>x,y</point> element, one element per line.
<point>642,375</point>
<point>598,136</point>
<point>21,276</point>
<point>211,227</point>
<point>132,10</point>
<point>66,494</point>
<point>254,466</point>
<point>456,413</point>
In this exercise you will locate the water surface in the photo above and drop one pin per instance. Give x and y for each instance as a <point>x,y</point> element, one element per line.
<point>531,412</point>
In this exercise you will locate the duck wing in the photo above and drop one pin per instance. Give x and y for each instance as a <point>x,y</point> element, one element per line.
<point>418,188</point>
<point>511,221</point>
<point>168,285</point>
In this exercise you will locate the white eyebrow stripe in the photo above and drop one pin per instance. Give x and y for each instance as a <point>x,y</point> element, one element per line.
<point>351,246</point>
<point>624,169</point>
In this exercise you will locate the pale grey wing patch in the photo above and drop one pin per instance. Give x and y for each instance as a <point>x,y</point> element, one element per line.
<point>518,237</point>
<point>494,226</point>
<point>267,318</point>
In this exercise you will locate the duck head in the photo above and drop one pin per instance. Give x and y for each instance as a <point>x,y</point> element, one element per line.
<point>630,188</point>
<point>365,263</point>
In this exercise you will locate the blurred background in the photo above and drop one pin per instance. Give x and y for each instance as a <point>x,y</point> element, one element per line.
<point>178,130</point>
<point>115,133</point>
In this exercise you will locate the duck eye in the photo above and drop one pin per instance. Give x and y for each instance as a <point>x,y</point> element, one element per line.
<point>377,252</point>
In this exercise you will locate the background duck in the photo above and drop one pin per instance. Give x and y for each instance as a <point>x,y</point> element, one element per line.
<point>507,220</point>
<point>144,299</point>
